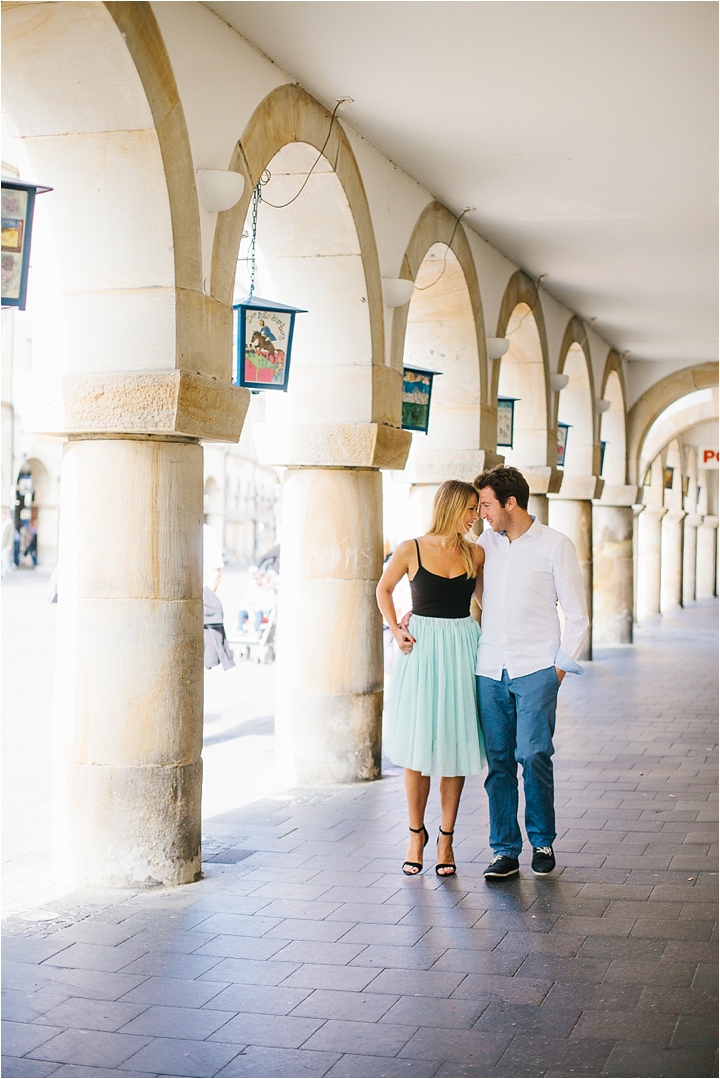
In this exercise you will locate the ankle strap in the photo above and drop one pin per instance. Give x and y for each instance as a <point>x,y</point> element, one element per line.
<point>442,832</point>
<point>420,829</point>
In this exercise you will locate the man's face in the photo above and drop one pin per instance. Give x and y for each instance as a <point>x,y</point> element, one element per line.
<point>497,516</point>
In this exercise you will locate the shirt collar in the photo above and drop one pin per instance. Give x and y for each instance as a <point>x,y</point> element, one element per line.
<point>534,529</point>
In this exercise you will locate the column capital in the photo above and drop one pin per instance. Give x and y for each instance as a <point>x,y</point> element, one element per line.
<point>170,403</point>
<point>617,494</point>
<point>579,488</point>
<point>693,520</point>
<point>436,466</point>
<point>710,522</point>
<point>332,445</point>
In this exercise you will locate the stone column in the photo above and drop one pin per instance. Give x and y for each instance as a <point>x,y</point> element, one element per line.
<point>671,560</point>
<point>330,663</point>
<point>129,684</point>
<point>542,481</point>
<point>706,543</point>
<point>573,517</point>
<point>330,666</point>
<point>690,528</point>
<point>613,567</point>
<point>649,560</point>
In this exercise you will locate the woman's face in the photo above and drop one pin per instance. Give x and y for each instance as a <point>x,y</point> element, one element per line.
<point>469,516</point>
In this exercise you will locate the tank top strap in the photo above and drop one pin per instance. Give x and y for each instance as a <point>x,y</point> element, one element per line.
<point>417,547</point>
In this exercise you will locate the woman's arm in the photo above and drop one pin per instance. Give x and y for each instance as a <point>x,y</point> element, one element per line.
<point>395,570</point>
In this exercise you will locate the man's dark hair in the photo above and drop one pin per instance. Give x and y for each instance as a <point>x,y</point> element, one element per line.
<point>506,483</point>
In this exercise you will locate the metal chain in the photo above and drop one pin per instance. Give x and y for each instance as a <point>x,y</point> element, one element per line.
<point>257,197</point>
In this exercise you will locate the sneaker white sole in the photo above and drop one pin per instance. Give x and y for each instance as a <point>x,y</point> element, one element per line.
<point>500,876</point>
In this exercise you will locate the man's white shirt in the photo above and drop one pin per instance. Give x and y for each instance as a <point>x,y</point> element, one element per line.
<point>523,582</point>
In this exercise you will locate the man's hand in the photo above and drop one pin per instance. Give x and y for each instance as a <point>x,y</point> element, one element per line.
<point>560,674</point>
<point>404,639</point>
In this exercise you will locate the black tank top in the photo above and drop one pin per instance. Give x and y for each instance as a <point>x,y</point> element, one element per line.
<point>434,596</point>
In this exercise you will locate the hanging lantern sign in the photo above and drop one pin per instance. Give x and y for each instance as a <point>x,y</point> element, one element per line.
<point>416,394</point>
<point>506,421</point>
<point>562,437</point>
<point>18,206</point>
<point>668,474</point>
<point>264,333</point>
<point>602,456</point>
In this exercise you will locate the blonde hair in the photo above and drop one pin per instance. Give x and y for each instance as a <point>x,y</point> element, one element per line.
<point>450,502</point>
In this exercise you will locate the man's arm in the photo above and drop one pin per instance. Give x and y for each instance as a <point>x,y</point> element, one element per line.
<point>570,590</point>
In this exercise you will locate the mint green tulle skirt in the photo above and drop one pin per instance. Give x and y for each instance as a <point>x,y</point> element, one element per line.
<point>431,715</point>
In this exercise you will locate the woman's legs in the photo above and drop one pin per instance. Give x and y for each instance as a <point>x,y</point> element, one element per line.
<point>417,789</point>
<point>451,788</point>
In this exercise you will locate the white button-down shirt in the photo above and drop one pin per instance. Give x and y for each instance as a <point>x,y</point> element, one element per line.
<point>523,583</point>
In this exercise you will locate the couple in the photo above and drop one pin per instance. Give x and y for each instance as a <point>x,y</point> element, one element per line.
<point>518,570</point>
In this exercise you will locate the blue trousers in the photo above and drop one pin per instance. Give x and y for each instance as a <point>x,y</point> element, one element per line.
<point>517,716</point>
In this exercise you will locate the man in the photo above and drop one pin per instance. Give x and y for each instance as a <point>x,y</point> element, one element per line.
<point>522,660</point>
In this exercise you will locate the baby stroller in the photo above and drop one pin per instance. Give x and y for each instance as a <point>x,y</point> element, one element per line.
<point>256,644</point>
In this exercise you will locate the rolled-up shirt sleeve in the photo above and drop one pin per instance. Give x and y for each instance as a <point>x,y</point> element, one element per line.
<point>570,590</point>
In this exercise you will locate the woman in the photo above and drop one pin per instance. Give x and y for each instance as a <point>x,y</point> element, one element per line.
<point>432,716</point>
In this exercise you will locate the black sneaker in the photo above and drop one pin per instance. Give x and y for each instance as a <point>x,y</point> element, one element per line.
<point>502,866</point>
<point>543,861</point>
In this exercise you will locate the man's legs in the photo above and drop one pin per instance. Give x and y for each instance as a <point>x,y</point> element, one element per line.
<point>498,722</point>
<point>535,698</point>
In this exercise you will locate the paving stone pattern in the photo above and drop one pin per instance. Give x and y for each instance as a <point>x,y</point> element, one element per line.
<point>314,956</point>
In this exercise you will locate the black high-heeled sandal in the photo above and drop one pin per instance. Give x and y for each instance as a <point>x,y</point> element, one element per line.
<point>416,865</point>
<point>446,865</point>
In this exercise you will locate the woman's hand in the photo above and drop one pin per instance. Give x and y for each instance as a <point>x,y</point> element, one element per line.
<point>405,640</point>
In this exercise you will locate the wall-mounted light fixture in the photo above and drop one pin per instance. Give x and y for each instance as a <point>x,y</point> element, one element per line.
<point>397,291</point>
<point>219,189</point>
<point>497,347</point>
<point>558,382</point>
<point>602,406</point>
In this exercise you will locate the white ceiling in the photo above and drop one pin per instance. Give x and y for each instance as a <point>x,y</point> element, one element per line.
<point>585,133</point>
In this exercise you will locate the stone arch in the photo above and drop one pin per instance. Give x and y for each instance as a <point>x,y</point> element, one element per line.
<point>613,423</point>
<point>437,226</point>
<point>576,403</point>
<point>90,88</point>
<point>289,115</point>
<point>651,404</point>
<point>676,424</point>
<point>46,509</point>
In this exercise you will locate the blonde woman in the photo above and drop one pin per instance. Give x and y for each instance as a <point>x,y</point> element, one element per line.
<point>432,724</point>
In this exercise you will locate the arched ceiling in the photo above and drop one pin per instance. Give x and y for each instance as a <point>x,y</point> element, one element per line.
<point>584,133</point>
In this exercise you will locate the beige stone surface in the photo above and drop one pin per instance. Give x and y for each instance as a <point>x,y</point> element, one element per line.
<point>579,487</point>
<point>133,827</point>
<point>128,696</point>
<point>620,494</point>
<point>148,402</point>
<point>612,574</point>
<point>429,465</point>
<point>330,663</point>
<point>333,738</point>
<point>573,517</point>
<point>342,445</point>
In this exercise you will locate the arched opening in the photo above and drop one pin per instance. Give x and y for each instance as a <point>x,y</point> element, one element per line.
<point>36,514</point>
<point>677,528</point>
<point>440,335</point>
<point>613,520</point>
<point>613,449</point>
<point>123,331</point>
<point>571,509</point>
<point>522,376</point>
<point>575,408</point>
<point>335,428</point>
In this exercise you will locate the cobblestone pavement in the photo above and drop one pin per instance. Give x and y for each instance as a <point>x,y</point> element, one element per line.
<point>305,952</point>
